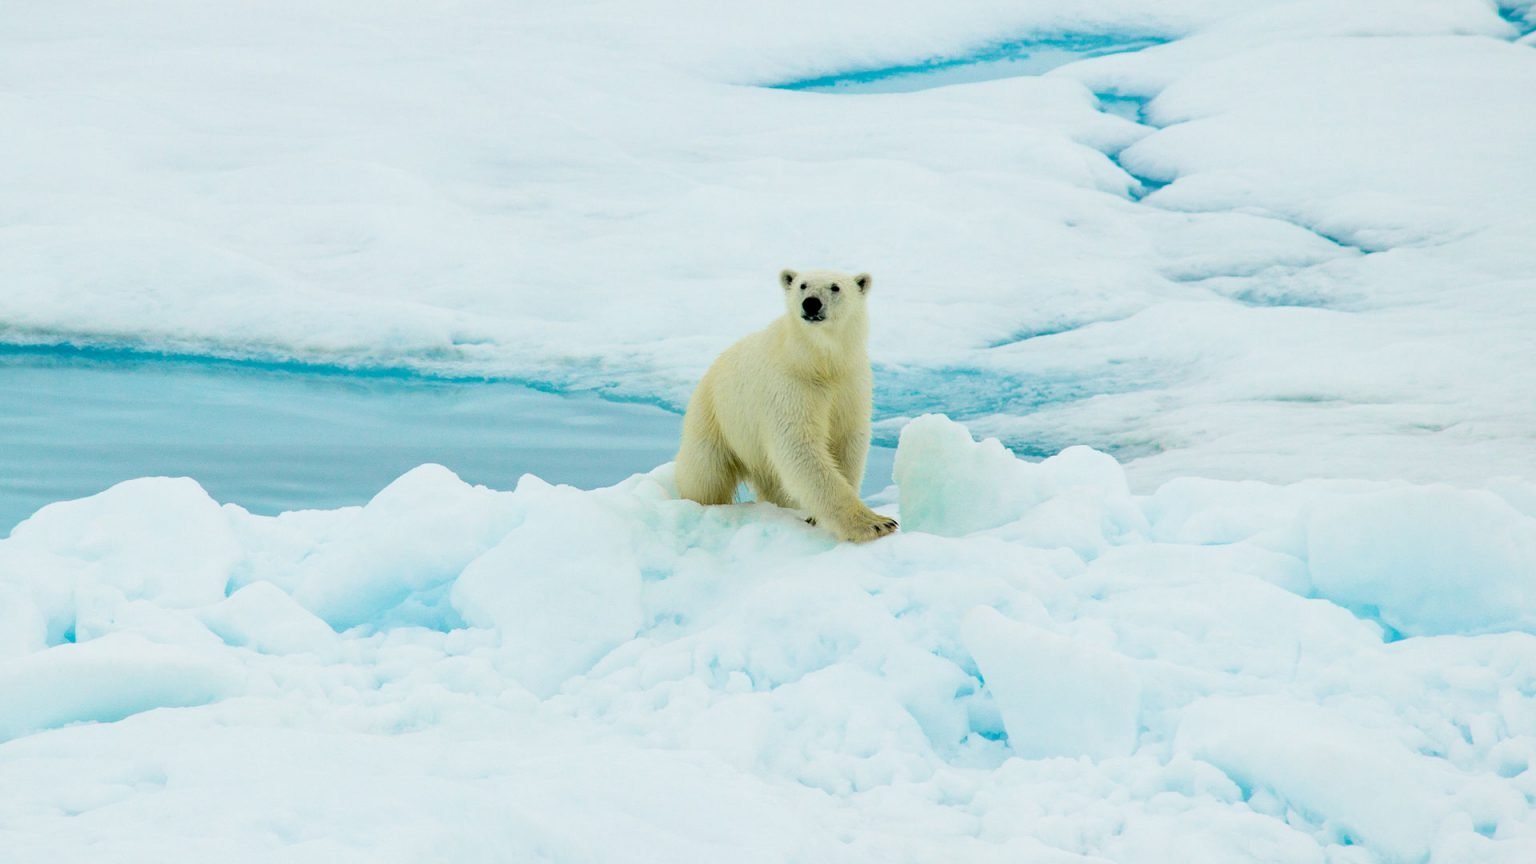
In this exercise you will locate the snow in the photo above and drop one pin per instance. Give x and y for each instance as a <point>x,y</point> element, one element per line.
<point>1278,673</point>
<point>1057,696</point>
<point>1077,499</point>
<point>265,619</point>
<point>1207,363</point>
<point>1429,560</point>
<point>1288,199</point>
<point>557,614</point>
<point>1390,800</point>
<point>106,679</point>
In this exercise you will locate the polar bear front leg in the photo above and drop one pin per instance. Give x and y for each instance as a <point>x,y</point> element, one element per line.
<point>851,453</point>
<point>765,485</point>
<point>812,477</point>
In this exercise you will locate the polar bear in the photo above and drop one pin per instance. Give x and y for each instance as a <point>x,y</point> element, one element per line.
<point>787,409</point>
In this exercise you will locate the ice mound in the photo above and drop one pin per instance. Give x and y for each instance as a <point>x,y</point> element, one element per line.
<point>1058,697</point>
<point>1391,799</point>
<point>161,541</point>
<point>953,486</point>
<point>416,535</point>
<point>264,618</point>
<point>1041,664</point>
<point>561,589</point>
<point>1428,560</point>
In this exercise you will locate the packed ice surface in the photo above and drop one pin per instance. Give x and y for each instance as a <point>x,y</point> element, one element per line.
<point>1260,292</point>
<point>1311,256</point>
<point>1041,666</point>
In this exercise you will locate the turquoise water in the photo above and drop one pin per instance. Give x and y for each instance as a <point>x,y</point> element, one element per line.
<point>1022,57</point>
<point>272,439</point>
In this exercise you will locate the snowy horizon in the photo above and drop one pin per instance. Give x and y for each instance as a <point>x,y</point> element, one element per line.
<point>1202,331</point>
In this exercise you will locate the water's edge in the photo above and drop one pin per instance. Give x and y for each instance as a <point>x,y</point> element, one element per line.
<point>276,437</point>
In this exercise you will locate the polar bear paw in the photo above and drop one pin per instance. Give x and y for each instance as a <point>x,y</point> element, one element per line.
<point>866,526</point>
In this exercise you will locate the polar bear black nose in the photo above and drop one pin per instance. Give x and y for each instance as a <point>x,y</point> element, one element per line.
<point>811,305</point>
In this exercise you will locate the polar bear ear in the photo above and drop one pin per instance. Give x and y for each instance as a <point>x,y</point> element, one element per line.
<point>863,280</point>
<point>787,278</point>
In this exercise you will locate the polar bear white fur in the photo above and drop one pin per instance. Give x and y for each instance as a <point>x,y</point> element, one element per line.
<point>787,409</point>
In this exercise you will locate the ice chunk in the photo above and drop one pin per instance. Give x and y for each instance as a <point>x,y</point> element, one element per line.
<point>1089,507</point>
<point>104,680</point>
<point>1178,603</point>
<point>160,542</point>
<point>415,535</point>
<point>561,589</point>
<point>262,617</point>
<point>954,486</point>
<point>1359,782</point>
<point>157,538</point>
<point>1195,510</point>
<point>1058,696</point>
<point>1427,560</point>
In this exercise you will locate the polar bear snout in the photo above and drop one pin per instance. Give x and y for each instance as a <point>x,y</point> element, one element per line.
<point>812,310</point>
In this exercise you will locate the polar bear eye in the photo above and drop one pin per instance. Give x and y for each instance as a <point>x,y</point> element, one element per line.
<point>835,289</point>
<point>804,285</point>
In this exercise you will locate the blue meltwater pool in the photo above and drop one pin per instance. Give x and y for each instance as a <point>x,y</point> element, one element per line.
<point>271,439</point>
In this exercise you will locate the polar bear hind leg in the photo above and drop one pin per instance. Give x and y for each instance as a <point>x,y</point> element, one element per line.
<point>706,470</point>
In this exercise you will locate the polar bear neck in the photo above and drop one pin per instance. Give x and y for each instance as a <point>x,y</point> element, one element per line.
<point>826,351</point>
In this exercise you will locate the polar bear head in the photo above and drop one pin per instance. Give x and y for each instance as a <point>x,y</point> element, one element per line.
<point>825,300</point>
